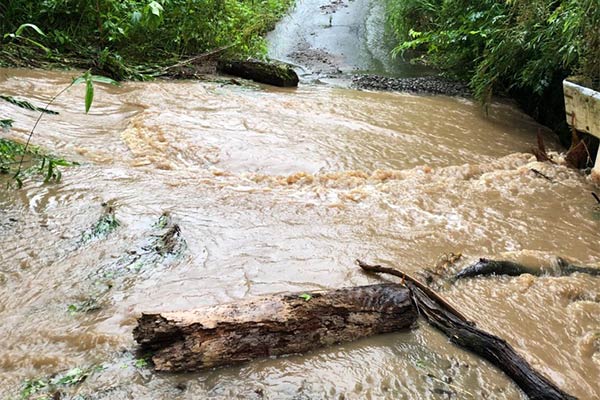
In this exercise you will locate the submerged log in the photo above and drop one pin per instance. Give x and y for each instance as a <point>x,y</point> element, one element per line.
<point>441,315</point>
<point>276,74</point>
<point>499,267</point>
<point>272,325</point>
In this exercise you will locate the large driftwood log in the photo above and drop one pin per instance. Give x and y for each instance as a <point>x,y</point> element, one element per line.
<point>272,325</point>
<point>276,74</point>
<point>464,333</point>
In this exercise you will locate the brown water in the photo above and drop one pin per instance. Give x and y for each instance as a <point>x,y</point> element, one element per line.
<point>280,190</point>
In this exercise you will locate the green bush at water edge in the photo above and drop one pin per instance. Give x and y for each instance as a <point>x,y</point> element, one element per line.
<point>128,38</point>
<point>502,45</point>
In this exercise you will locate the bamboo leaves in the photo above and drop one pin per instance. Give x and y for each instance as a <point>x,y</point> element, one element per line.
<point>18,35</point>
<point>89,81</point>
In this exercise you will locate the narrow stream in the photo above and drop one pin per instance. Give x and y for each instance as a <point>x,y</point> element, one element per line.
<point>280,190</point>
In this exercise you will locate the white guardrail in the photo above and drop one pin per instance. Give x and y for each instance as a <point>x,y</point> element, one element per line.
<point>582,106</point>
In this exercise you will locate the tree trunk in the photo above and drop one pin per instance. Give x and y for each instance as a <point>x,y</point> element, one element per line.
<point>272,325</point>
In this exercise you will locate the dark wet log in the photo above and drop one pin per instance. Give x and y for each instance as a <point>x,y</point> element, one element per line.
<point>272,325</point>
<point>497,267</point>
<point>276,74</point>
<point>465,334</point>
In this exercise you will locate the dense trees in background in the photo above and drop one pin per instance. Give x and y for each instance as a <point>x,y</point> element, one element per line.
<point>128,38</point>
<point>502,45</point>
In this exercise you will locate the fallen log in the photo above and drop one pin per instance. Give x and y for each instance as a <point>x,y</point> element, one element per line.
<point>499,267</point>
<point>465,334</point>
<point>276,74</point>
<point>272,325</point>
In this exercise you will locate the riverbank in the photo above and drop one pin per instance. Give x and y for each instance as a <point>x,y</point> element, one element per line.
<point>133,39</point>
<point>521,50</point>
<point>422,85</point>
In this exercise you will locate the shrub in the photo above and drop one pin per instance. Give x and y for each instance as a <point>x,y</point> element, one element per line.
<point>129,37</point>
<point>499,45</point>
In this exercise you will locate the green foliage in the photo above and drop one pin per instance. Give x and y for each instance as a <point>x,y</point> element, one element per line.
<point>85,306</point>
<point>89,80</point>
<point>134,38</point>
<point>26,105</point>
<point>141,363</point>
<point>6,124</point>
<point>18,34</point>
<point>37,162</point>
<point>48,388</point>
<point>305,296</point>
<point>105,225</point>
<point>40,163</point>
<point>501,45</point>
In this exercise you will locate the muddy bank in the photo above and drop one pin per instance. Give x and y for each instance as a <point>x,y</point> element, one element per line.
<point>420,85</point>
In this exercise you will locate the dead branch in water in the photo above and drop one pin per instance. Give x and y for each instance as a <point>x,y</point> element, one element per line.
<point>405,277</point>
<point>494,349</point>
<point>540,153</point>
<point>578,156</point>
<point>199,57</point>
<point>540,174</point>
<point>486,266</point>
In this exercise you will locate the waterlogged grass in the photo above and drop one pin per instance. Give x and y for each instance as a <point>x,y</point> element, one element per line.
<point>160,249</point>
<point>162,246</point>
<point>36,163</point>
<point>6,124</point>
<point>86,306</point>
<point>68,384</point>
<point>105,225</point>
<point>27,105</point>
<point>50,388</point>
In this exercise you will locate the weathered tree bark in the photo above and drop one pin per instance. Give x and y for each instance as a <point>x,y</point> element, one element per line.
<point>465,334</point>
<point>276,74</point>
<point>272,325</point>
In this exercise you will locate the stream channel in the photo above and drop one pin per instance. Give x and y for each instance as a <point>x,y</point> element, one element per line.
<point>281,190</point>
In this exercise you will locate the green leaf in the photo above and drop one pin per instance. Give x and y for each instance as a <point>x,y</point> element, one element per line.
<point>141,363</point>
<point>89,94</point>
<point>26,105</point>
<point>6,124</point>
<point>78,80</point>
<point>305,296</point>
<point>104,79</point>
<point>71,377</point>
<point>155,8</point>
<point>32,26</point>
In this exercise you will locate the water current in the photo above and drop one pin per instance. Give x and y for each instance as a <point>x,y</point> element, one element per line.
<point>280,190</point>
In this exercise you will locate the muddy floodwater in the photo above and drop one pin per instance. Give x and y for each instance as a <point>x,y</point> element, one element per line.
<point>281,190</point>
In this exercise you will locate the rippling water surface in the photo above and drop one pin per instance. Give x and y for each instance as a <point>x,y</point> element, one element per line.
<point>280,190</point>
